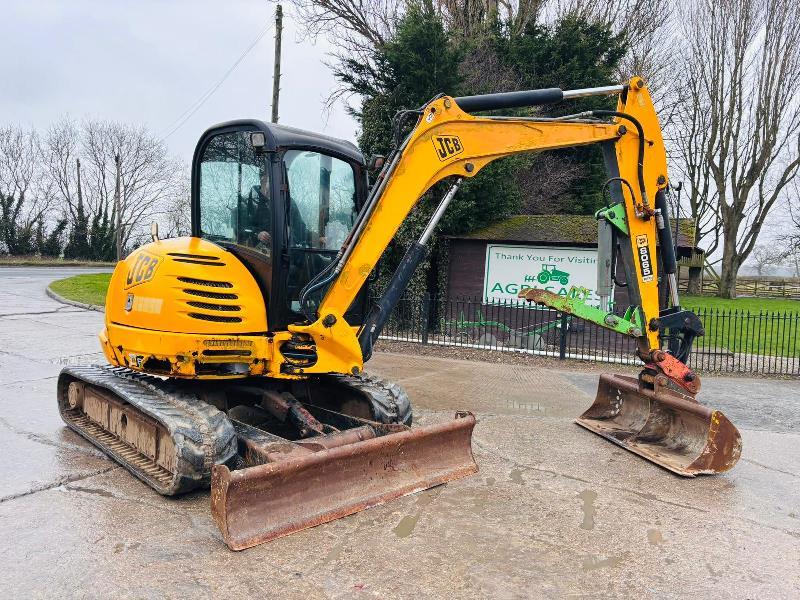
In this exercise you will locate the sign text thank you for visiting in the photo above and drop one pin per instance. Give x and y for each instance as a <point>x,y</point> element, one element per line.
<point>510,269</point>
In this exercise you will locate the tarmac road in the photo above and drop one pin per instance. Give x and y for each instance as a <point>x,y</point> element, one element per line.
<point>554,511</point>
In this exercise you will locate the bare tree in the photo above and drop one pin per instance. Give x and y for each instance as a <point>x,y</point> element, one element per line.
<point>766,258</point>
<point>688,137</point>
<point>25,198</point>
<point>790,239</point>
<point>744,65</point>
<point>174,214</point>
<point>148,176</point>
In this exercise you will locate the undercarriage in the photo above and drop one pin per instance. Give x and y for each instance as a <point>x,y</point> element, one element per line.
<point>280,456</point>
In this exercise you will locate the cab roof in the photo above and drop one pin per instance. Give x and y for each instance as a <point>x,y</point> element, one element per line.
<point>280,136</point>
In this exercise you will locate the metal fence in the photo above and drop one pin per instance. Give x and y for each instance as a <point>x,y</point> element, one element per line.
<point>735,341</point>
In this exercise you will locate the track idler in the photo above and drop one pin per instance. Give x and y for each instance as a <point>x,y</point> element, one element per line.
<point>664,423</point>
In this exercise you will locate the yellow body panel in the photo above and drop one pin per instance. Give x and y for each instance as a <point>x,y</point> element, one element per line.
<point>643,228</point>
<point>182,302</point>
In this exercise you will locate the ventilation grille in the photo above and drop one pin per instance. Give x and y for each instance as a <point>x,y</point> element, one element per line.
<point>210,306</point>
<point>215,318</point>
<point>212,295</point>
<point>199,262</point>
<point>206,282</point>
<point>193,256</point>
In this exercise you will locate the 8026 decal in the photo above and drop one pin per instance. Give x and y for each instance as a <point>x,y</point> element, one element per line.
<point>645,263</point>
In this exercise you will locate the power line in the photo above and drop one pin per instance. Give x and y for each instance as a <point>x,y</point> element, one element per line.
<point>195,106</point>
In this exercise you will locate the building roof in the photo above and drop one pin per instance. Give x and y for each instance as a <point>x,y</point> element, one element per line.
<point>572,230</point>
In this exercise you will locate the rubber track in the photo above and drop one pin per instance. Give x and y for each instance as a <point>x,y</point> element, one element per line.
<point>202,434</point>
<point>390,403</point>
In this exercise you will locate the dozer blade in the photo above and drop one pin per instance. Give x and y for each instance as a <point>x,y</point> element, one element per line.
<point>260,503</point>
<point>667,428</point>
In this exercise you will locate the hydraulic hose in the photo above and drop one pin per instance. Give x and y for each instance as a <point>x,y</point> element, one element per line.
<point>640,131</point>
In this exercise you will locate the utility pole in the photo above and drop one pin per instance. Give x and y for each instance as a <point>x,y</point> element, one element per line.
<point>118,210</point>
<point>276,73</point>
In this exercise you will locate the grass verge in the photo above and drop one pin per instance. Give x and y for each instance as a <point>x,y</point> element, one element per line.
<point>90,288</point>
<point>43,261</point>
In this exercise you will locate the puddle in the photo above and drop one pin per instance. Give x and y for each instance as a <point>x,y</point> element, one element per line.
<point>590,563</point>
<point>334,554</point>
<point>589,511</point>
<point>654,537</point>
<point>120,546</point>
<point>490,481</point>
<point>86,490</point>
<point>407,524</point>
<point>516,477</point>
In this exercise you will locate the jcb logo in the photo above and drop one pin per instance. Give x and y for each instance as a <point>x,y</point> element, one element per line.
<point>142,270</point>
<point>643,252</point>
<point>447,146</point>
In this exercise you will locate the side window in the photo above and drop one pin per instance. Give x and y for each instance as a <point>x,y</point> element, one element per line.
<point>235,204</point>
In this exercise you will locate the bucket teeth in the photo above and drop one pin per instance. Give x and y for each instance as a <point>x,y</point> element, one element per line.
<point>665,427</point>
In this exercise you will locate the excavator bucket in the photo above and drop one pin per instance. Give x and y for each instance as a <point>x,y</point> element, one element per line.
<point>663,426</point>
<point>303,484</point>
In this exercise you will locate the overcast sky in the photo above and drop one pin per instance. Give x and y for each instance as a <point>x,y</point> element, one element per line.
<point>147,61</point>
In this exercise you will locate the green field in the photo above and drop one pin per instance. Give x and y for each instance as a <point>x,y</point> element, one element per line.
<point>90,289</point>
<point>741,304</point>
<point>44,261</point>
<point>763,326</point>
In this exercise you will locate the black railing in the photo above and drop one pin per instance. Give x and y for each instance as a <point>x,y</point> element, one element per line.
<point>765,343</point>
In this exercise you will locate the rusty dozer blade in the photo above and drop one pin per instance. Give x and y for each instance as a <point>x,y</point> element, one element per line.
<point>313,486</point>
<point>665,427</point>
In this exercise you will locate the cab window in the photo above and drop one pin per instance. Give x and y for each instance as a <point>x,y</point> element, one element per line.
<point>234,202</point>
<point>321,210</point>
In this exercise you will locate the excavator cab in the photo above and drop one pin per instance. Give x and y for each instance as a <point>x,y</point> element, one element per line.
<point>282,201</point>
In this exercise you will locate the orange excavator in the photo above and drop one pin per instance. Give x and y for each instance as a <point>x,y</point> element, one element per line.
<point>237,354</point>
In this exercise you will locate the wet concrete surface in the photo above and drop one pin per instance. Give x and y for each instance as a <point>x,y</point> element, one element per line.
<point>554,511</point>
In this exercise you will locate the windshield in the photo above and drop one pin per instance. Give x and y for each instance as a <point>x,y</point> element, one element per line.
<point>322,196</point>
<point>322,210</point>
<point>235,204</point>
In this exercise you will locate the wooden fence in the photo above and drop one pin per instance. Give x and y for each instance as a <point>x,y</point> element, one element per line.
<point>763,287</point>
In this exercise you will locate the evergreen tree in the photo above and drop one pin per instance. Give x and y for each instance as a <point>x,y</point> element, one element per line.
<point>416,64</point>
<point>50,244</point>
<point>78,243</point>
<point>102,241</point>
<point>572,53</point>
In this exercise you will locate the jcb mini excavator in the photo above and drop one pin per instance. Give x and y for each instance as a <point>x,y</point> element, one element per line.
<point>237,354</point>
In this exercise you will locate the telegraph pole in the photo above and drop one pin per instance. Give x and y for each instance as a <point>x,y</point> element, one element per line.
<point>276,73</point>
<point>118,210</point>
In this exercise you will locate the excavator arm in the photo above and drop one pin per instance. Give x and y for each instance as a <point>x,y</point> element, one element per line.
<point>448,141</point>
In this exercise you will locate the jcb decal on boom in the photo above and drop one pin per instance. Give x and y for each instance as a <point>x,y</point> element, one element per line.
<point>142,270</point>
<point>447,146</point>
<point>643,252</point>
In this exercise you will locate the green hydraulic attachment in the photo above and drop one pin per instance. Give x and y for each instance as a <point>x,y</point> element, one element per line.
<point>614,214</point>
<point>575,303</point>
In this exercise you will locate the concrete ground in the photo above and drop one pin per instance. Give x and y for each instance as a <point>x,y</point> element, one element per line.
<point>554,511</point>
